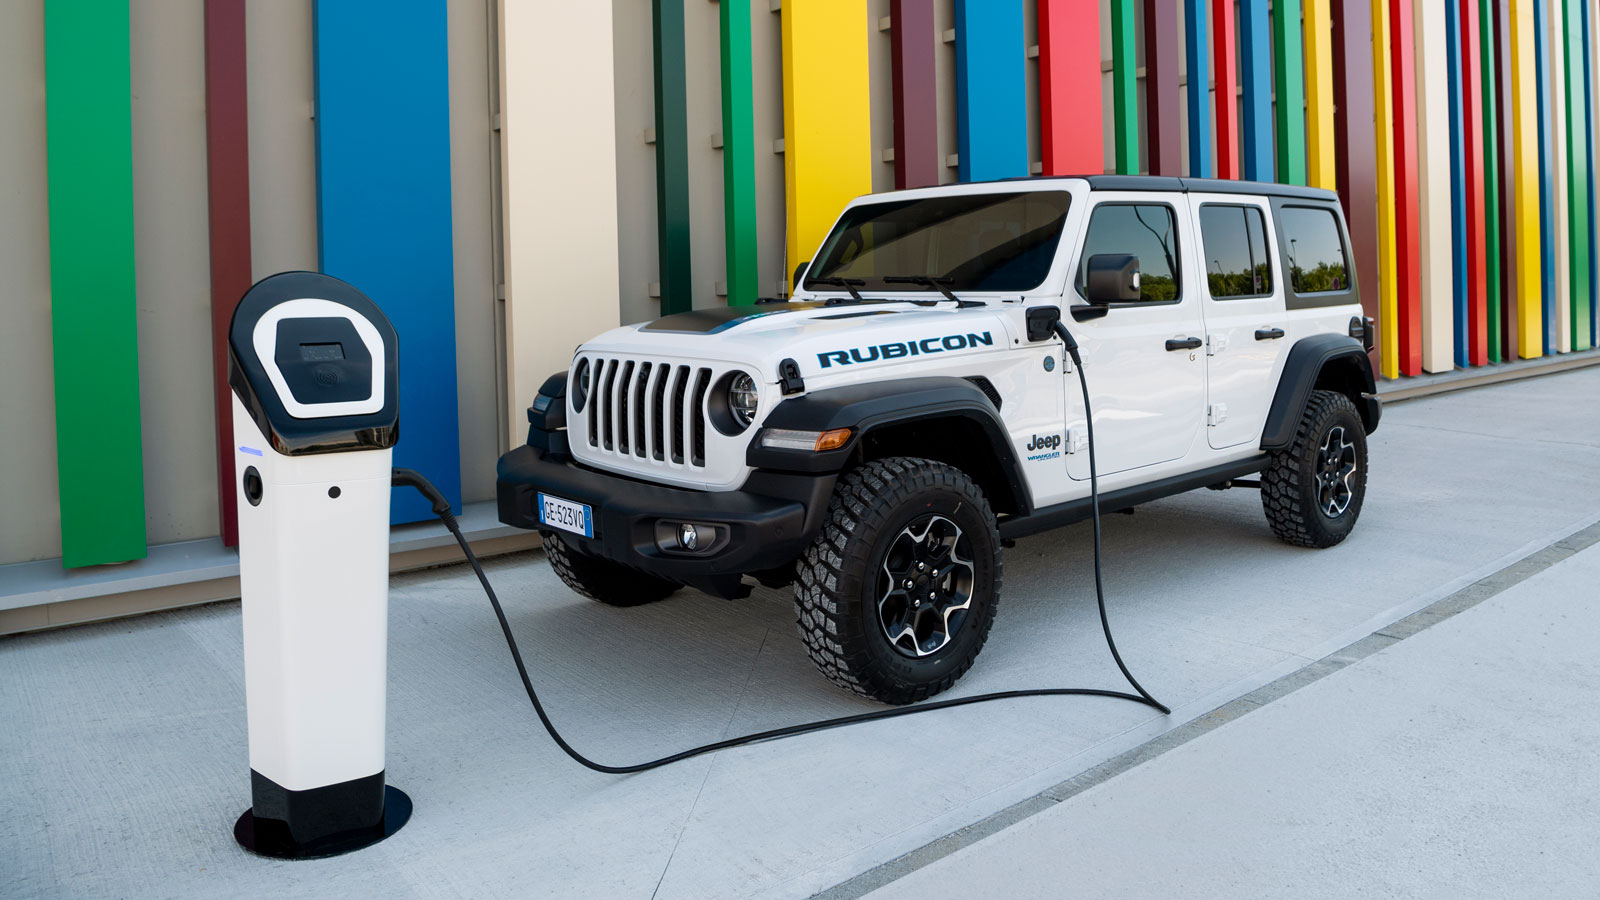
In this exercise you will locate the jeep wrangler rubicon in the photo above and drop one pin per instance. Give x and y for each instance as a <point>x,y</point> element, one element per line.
<point>878,438</point>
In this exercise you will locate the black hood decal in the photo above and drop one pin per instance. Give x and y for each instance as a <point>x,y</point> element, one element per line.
<point>720,318</point>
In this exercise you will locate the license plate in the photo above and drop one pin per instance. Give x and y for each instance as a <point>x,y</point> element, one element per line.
<point>566,515</point>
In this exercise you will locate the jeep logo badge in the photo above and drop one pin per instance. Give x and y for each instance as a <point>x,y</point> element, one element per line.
<point>1044,442</point>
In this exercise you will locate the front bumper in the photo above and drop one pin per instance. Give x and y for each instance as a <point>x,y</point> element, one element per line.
<point>764,525</point>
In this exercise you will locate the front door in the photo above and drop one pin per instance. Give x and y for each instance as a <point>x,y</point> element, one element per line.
<point>1244,315</point>
<point>1145,360</point>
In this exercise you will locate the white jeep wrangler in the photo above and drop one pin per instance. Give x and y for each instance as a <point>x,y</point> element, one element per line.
<point>878,438</point>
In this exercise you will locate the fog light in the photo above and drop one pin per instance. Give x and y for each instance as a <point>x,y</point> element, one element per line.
<point>688,537</point>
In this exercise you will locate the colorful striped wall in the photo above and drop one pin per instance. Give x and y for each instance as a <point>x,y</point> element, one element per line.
<point>1459,134</point>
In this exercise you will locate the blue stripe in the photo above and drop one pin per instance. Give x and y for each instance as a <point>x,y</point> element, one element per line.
<point>1197,49</point>
<point>991,90</point>
<point>1458,185</point>
<point>1255,82</point>
<point>383,207</point>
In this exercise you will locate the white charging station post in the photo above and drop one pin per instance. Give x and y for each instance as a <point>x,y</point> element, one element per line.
<point>313,368</point>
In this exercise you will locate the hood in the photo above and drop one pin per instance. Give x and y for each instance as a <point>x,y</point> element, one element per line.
<point>822,339</point>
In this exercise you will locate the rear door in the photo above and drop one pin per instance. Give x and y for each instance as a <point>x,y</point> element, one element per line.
<point>1145,359</point>
<point>1245,322</point>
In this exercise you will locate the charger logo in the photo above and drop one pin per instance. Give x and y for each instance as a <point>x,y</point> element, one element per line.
<point>907,348</point>
<point>1043,446</point>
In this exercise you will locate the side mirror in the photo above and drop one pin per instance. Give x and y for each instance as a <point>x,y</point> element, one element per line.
<point>1111,278</point>
<point>799,273</point>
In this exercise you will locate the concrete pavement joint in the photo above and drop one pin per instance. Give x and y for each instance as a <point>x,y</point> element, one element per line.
<point>1407,626</point>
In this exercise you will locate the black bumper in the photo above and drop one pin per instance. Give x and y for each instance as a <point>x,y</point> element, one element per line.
<point>764,525</point>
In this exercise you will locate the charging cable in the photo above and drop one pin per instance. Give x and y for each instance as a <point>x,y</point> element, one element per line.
<point>441,508</point>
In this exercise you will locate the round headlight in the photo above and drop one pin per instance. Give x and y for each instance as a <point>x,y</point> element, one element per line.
<point>743,399</point>
<point>580,385</point>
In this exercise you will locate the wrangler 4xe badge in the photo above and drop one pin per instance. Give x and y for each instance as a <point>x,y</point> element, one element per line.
<point>905,348</point>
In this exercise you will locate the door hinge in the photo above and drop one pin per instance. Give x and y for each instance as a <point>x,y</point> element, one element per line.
<point>1216,343</point>
<point>1077,440</point>
<point>1216,413</point>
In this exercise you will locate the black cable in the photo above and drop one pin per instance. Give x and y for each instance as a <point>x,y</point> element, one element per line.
<point>441,508</point>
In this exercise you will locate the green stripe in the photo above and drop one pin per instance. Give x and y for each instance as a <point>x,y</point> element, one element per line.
<point>739,153</point>
<point>1289,80</point>
<point>1577,171</point>
<point>672,158</point>
<point>99,460</point>
<point>1125,87</point>
<point>1491,176</point>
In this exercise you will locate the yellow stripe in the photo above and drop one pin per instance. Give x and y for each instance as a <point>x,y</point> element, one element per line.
<point>1319,94</point>
<point>827,120</point>
<point>1530,308</point>
<point>1383,119</point>
<point>1433,194</point>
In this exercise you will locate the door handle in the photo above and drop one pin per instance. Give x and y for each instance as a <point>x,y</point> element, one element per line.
<point>1268,334</point>
<point>1184,344</point>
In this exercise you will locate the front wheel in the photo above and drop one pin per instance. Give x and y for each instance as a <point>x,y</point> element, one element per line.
<point>601,579</point>
<point>896,595</point>
<point>1312,492</point>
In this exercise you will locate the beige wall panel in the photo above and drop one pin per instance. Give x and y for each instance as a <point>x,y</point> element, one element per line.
<point>766,48</point>
<point>708,259</point>
<point>471,203</point>
<point>1562,238</point>
<point>880,65</point>
<point>27,404</point>
<point>283,164</point>
<point>1433,160</point>
<point>173,270</point>
<point>558,166</point>
<point>634,55</point>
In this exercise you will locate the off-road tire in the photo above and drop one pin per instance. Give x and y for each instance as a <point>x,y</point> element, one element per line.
<point>836,588</point>
<point>1290,489</point>
<point>602,579</point>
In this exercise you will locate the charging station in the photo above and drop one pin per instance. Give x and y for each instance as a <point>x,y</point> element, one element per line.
<point>314,374</point>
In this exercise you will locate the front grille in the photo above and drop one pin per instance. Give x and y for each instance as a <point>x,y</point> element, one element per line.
<point>653,412</point>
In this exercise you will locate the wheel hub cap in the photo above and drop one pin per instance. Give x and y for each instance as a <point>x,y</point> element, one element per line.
<point>925,586</point>
<point>1336,465</point>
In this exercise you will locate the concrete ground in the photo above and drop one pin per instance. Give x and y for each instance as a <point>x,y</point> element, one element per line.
<point>1463,762</point>
<point>123,753</point>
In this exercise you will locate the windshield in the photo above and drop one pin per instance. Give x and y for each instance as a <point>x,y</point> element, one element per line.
<point>981,242</point>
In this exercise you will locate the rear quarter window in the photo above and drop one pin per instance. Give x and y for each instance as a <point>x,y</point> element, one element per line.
<point>1314,250</point>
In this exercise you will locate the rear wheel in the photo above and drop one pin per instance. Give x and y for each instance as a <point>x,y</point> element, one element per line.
<point>896,595</point>
<point>602,579</point>
<point>1312,492</point>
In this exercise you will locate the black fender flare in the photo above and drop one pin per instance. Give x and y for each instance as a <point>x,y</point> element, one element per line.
<point>1308,358</point>
<point>869,406</point>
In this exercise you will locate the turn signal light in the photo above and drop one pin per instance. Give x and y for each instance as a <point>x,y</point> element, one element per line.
<point>817,441</point>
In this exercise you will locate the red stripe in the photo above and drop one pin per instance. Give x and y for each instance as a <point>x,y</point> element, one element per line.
<point>1072,130</point>
<point>913,42</point>
<point>1162,50</point>
<point>1408,222</point>
<point>1356,162</point>
<point>228,201</point>
<point>1477,228</point>
<point>1225,57</point>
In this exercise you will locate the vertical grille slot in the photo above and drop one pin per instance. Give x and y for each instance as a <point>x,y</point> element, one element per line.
<point>624,389</point>
<point>608,398</point>
<point>595,380</point>
<point>658,413</point>
<point>680,388</point>
<point>697,417</point>
<point>640,387</point>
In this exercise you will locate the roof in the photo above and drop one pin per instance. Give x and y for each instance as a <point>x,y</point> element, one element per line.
<point>1187,185</point>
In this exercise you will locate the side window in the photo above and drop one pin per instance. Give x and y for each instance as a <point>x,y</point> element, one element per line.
<point>1315,251</point>
<point>1235,243</point>
<point>1146,230</point>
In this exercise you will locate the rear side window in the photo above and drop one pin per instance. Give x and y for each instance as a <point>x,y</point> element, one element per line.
<point>1315,250</point>
<point>1235,242</point>
<point>1146,230</point>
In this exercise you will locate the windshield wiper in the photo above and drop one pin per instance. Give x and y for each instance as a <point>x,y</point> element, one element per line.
<point>942,285</point>
<point>849,284</point>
